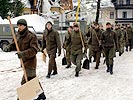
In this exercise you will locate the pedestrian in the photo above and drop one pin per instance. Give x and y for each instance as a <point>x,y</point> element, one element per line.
<point>109,41</point>
<point>67,46</point>
<point>76,48</point>
<point>51,41</point>
<point>96,44</point>
<point>28,45</point>
<point>130,37</point>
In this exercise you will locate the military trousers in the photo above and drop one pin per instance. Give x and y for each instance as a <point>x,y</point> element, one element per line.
<point>109,55</point>
<point>52,63</point>
<point>76,60</point>
<point>97,55</point>
<point>31,73</point>
<point>68,53</point>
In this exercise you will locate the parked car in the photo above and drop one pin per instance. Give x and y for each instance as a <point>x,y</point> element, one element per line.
<point>6,36</point>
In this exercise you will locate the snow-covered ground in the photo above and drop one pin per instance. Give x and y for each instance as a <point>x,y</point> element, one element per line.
<point>90,85</point>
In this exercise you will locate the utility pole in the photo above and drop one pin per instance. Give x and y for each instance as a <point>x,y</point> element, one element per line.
<point>97,13</point>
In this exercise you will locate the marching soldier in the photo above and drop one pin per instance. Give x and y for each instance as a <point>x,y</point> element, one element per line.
<point>76,47</point>
<point>51,41</point>
<point>67,46</point>
<point>96,45</point>
<point>109,41</point>
<point>130,36</point>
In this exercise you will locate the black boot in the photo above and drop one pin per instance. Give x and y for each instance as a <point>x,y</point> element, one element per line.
<point>108,69</point>
<point>111,69</point>
<point>48,75</point>
<point>54,73</point>
<point>90,59</point>
<point>68,66</point>
<point>77,74</point>
<point>41,97</point>
<point>96,67</point>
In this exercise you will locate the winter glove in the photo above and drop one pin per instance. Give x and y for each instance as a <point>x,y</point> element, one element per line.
<point>6,49</point>
<point>20,54</point>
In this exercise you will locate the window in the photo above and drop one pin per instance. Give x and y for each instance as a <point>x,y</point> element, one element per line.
<point>121,2</point>
<point>124,14</point>
<point>111,15</point>
<point>128,2</point>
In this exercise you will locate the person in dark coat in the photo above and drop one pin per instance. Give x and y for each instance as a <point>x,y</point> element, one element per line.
<point>67,46</point>
<point>96,45</point>
<point>76,47</point>
<point>28,45</point>
<point>51,41</point>
<point>130,37</point>
<point>109,41</point>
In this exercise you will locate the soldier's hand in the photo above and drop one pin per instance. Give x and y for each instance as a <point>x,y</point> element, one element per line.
<point>20,54</point>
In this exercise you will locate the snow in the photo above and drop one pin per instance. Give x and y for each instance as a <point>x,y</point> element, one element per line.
<point>90,85</point>
<point>34,20</point>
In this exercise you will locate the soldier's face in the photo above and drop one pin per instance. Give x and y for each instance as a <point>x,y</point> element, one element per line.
<point>49,26</point>
<point>76,28</point>
<point>108,26</point>
<point>21,27</point>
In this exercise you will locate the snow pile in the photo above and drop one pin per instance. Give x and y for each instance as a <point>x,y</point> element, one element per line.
<point>1,20</point>
<point>34,20</point>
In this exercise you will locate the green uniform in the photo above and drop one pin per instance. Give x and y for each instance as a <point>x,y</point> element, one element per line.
<point>76,48</point>
<point>120,38</point>
<point>67,47</point>
<point>109,40</point>
<point>96,51</point>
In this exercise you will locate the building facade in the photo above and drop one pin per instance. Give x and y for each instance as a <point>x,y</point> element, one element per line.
<point>124,11</point>
<point>107,14</point>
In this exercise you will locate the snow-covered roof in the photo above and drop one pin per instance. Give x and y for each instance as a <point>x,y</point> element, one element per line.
<point>38,22</point>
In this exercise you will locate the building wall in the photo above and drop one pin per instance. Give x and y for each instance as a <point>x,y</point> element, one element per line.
<point>105,16</point>
<point>129,13</point>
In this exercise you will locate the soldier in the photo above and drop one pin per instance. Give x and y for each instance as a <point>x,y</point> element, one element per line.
<point>118,32</point>
<point>28,45</point>
<point>89,37</point>
<point>130,36</point>
<point>109,40</point>
<point>67,46</point>
<point>124,39</point>
<point>51,41</point>
<point>76,48</point>
<point>96,45</point>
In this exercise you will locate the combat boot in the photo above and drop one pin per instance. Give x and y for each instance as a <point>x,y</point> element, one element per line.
<point>77,74</point>
<point>41,97</point>
<point>54,73</point>
<point>96,67</point>
<point>108,69</point>
<point>48,75</point>
<point>111,69</point>
<point>68,66</point>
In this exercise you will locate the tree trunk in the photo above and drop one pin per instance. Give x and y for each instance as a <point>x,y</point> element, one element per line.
<point>97,13</point>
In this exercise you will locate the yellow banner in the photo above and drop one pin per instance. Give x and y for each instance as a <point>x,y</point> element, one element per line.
<point>77,10</point>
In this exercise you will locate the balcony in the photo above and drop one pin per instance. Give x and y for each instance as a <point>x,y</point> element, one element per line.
<point>124,19</point>
<point>123,6</point>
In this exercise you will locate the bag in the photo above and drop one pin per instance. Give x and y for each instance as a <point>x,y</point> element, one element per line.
<point>64,61</point>
<point>86,64</point>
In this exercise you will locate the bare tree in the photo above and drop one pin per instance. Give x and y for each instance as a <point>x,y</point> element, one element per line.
<point>97,13</point>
